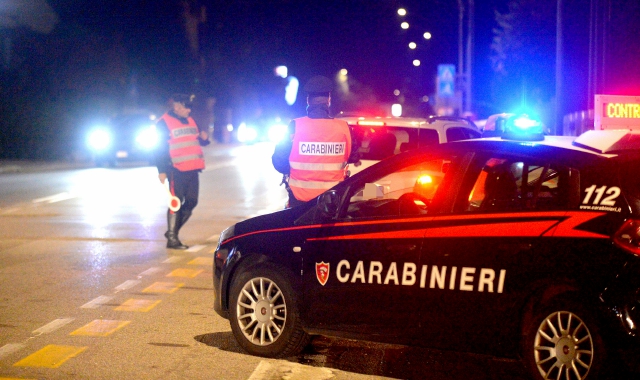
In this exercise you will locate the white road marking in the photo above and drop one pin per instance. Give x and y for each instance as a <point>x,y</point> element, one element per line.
<point>55,198</point>
<point>149,271</point>
<point>53,326</point>
<point>215,237</point>
<point>281,369</point>
<point>196,248</point>
<point>10,348</point>
<point>172,259</point>
<point>126,285</point>
<point>96,302</point>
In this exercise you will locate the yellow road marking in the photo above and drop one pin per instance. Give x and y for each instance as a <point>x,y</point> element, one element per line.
<point>137,305</point>
<point>100,327</point>
<point>14,378</point>
<point>163,287</point>
<point>183,272</point>
<point>51,356</point>
<point>201,261</point>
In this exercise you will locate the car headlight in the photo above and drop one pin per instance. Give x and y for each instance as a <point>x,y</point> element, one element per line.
<point>148,137</point>
<point>246,133</point>
<point>277,132</point>
<point>99,139</point>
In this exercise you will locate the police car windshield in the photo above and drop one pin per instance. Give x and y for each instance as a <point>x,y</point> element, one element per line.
<point>377,143</point>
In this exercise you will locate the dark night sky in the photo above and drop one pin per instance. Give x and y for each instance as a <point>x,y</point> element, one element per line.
<point>249,38</point>
<point>245,40</point>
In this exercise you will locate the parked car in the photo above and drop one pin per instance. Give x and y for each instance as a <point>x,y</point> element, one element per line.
<point>519,247</point>
<point>377,138</point>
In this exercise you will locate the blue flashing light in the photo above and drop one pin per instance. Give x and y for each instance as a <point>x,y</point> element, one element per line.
<point>524,128</point>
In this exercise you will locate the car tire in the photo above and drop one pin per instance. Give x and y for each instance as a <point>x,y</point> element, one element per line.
<point>561,340</point>
<point>264,314</point>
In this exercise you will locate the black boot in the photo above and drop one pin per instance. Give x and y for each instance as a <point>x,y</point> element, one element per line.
<point>172,233</point>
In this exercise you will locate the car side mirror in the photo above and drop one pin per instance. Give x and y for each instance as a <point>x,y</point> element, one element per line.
<point>328,204</point>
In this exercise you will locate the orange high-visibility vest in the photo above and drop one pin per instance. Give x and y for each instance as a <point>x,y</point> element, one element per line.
<point>184,147</point>
<point>319,155</point>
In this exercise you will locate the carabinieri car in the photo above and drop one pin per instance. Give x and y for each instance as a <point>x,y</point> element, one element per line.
<point>521,249</point>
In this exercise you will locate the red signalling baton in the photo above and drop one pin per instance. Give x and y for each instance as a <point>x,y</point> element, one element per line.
<point>174,202</point>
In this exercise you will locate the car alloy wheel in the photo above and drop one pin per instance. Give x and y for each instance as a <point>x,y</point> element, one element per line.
<point>261,311</point>
<point>563,347</point>
<point>264,313</point>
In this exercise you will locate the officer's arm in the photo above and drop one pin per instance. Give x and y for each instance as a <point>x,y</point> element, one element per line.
<point>162,157</point>
<point>280,157</point>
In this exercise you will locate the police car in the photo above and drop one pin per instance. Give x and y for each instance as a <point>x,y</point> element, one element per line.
<point>520,246</point>
<point>376,138</point>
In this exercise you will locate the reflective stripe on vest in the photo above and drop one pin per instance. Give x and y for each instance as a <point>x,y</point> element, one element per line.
<point>312,184</point>
<point>184,148</point>
<point>311,166</point>
<point>319,155</point>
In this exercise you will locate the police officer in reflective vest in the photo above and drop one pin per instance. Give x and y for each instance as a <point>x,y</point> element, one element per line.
<point>180,160</point>
<point>316,154</point>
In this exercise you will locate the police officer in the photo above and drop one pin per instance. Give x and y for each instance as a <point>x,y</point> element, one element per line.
<point>316,154</point>
<point>180,160</point>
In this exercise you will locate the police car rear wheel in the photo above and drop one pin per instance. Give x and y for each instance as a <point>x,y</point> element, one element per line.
<point>264,315</point>
<point>562,342</point>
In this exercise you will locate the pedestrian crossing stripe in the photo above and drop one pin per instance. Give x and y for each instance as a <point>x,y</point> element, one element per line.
<point>183,272</point>
<point>100,327</point>
<point>51,356</point>
<point>137,305</point>
<point>201,261</point>
<point>163,287</point>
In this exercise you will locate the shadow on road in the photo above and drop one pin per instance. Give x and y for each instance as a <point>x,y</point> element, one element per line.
<point>395,361</point>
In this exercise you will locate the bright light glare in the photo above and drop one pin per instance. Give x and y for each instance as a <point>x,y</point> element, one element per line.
<point>402,12</point>
<point>344,72</point>
<point>525,122</point>
<point>148,137</point>
<point>246,133</point>
<point>291,91</point>
<point>427,35</point>
<point>396,110</point>
<point>281,71</point>
<point>412,45</point>
<point>99,139</point>
<point>416,62</point>
<point>396,92</point>
<point>230,127</point>
<point>404,25</point>
<point>425,179</point>
<point>277,132</point>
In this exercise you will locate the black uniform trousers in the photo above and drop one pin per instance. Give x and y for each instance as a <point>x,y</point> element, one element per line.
<point>185,186</point>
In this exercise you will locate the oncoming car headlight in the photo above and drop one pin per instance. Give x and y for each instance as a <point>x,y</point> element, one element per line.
<point>277,132</point>
<point>148,137</point>
<point>99,139</point>
<point>247,133</point>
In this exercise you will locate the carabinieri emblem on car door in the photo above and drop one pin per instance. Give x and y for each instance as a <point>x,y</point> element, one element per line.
<point>322,272</point>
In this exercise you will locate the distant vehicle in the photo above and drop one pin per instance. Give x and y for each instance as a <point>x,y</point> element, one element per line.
<point>127,137</point>
<point>377,138</point>
<point>522,246</point>
<point>264,129</point>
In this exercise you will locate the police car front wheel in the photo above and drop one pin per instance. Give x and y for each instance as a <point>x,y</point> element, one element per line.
<point>264,316</point>
<point>562,341</point>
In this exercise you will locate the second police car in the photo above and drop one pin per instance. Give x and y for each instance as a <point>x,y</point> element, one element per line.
<point>516,247</point>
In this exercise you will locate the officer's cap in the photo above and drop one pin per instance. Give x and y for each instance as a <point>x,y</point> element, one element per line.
<point>184,99</point>
<point>318,86</point>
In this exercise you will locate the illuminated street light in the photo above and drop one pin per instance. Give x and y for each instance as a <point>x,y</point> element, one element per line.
<point>416,62</point>
<point>427,35</point>
<point>412,45</point>
<point>404,25</point>
<point>402,12</point>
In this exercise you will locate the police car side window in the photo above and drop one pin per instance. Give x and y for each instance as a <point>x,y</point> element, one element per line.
<point>505,185</point>
<point>407,191</point>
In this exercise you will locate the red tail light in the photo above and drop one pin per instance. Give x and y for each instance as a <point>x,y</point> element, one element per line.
<point>628,236</point>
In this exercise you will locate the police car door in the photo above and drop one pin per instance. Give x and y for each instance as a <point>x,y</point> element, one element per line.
<point>361,272</point>
<point>478,257</point>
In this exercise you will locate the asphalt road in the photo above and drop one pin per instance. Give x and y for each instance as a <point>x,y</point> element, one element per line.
<point>90,292</point>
